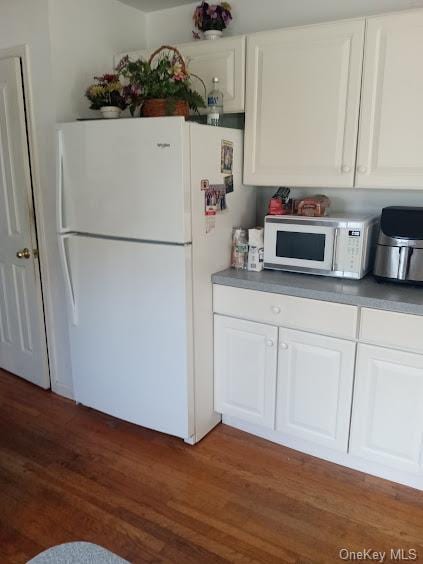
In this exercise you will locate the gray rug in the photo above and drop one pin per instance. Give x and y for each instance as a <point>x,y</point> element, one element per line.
<point>77,553</point>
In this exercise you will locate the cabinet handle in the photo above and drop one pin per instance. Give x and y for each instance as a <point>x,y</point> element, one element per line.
<point>270,343</point>
<point>362,169</point>
<point>276,309</point>
<point>284,346</point>
<point>346,169</point>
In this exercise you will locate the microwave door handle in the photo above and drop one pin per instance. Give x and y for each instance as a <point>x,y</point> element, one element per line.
<point>335,249</point>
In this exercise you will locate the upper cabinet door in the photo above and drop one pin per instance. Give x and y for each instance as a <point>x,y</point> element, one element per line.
<point>302,105</point>
<point>226,60</point>
<point>390,150</point>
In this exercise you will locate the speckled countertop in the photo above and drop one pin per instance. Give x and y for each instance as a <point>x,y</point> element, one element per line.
<point>366,292</point>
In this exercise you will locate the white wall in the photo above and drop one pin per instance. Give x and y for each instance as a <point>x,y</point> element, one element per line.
<point>85,36</point>
<point>175,24</point>
<point>353,200</point>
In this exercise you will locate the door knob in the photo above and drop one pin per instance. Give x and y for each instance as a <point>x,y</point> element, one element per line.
<point>346,169</point>
<point>362,169</point>
<point>24,254</point>
<point>284,346</point>
<point>270,343</point>
<point>276,309</point>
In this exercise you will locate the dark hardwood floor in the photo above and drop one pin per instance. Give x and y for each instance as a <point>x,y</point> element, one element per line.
<point>68,473</point>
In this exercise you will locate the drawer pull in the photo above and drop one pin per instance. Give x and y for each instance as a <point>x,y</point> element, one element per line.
<point>284,346</point>
<point>270,343</point>
<point>276,309</point>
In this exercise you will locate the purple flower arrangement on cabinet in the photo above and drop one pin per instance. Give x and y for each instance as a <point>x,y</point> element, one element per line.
<point>212,17</point>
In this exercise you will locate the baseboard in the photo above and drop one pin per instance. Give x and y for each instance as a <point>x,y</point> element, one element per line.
<point>341,458</point>
<point>62,390</point>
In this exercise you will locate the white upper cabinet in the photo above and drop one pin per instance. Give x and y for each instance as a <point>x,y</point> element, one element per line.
<point>390,148</point>
<point>314,388</point>
<point>224,58</point>
<point>245,370</point>
<point>302,105</point>
<point>387,421</point>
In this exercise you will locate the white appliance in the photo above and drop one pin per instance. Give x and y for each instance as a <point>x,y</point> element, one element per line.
<point>137,262</point>
<point>340,246</point>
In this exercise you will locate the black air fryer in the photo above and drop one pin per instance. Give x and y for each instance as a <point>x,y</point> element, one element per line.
<point>399,253</point>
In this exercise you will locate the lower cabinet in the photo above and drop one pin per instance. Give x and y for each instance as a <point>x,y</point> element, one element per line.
<point>315,383</point>
<point>357,404</point>
<point>245,370</point>
<point>313,376</point>
<point>387,422</point>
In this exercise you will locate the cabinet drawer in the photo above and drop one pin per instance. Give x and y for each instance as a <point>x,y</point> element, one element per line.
<point>396,330</point>
<point>299,313</point>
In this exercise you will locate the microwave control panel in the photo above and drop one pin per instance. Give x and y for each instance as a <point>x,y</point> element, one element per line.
<point>349,250</point>
<point>355,241</point>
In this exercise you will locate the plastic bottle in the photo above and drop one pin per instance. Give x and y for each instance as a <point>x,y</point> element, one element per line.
<point>239,248</point>
<point>214,104</point>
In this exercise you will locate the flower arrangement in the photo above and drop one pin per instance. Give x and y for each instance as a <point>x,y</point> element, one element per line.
<point>165,79</point>
<point>108,91</point>
<point>212,16</point>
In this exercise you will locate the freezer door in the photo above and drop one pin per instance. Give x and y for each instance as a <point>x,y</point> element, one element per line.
<point>131,334</point>
<point>125,178</point>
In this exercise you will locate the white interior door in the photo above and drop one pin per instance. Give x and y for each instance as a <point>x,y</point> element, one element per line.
<point>23,349</point>
<point>391,118</point>
<point>302,104</point>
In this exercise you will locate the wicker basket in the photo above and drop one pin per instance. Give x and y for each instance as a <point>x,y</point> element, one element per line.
<point>157,107</point>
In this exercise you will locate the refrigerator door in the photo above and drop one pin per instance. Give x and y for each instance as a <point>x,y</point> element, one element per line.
<point>126,178</point>
<point>131,334</point>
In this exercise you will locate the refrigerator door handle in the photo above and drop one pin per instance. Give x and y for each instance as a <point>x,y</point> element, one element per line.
<point>60,185</point>
<point>70,288</point>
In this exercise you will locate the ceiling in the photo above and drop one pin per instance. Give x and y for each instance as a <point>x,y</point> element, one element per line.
<point>153,5</point>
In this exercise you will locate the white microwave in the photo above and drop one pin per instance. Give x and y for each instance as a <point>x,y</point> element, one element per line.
<point>340,246</point>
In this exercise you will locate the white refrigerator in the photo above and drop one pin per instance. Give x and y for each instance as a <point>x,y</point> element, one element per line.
<point>138,252</point>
